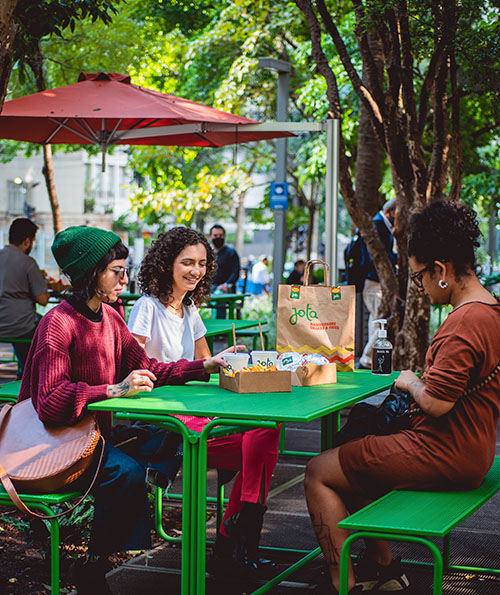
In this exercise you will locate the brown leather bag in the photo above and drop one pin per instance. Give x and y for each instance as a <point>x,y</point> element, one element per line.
<point>37,458</point>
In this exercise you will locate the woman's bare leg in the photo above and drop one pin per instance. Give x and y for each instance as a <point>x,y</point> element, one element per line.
<point>326,487</point>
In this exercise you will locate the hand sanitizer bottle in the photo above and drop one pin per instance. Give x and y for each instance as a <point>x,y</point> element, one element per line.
<point>382,351</point>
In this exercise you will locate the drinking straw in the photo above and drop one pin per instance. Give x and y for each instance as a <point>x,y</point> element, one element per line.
<point>234,338</point>
<point>261,337</point>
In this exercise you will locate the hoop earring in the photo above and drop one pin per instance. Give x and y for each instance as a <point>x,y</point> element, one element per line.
<point>442,284</point>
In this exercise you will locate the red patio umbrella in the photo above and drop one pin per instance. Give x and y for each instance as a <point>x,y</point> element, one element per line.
<point>107,109</point>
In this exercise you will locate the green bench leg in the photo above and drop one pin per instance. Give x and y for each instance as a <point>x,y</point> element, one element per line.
<point>54,533</point>
<point>346,553</point>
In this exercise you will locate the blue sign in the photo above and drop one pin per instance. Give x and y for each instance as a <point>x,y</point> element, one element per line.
<point>279,195</point>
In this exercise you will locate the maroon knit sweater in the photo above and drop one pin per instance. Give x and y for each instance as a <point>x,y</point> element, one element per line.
<point>72,361</point>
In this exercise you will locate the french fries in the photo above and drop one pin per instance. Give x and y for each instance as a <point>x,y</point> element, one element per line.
<point>255,368</point>
<point>259,368</point>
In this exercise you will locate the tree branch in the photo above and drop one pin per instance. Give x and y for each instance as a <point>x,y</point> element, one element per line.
<point>360,89</point>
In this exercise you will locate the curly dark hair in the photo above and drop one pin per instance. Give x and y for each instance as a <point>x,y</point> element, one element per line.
<point>156,274</point>
<point>85,287</point>
<point>447,231</point>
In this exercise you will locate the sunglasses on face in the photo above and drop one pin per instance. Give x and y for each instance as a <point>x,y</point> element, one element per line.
<point>120,271</point>
<point>417,276</point>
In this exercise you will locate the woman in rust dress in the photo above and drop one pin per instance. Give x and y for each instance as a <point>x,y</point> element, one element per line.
<point>451,442</point>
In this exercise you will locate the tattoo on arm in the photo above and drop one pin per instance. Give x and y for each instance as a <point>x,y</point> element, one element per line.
<point>119,390</point>
<point>322,530</point>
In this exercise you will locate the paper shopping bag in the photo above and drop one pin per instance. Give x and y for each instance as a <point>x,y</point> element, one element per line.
<point>318,319</point>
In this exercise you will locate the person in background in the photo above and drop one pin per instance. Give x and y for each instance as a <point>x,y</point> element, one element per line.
<point>228,261</point>
<point>175,277</point>
<point>372,292</point>
<point>83,353</point>
<point>450,445</point>
<point>22,286</point>
<point>260,276</point>
<point>296,277</point>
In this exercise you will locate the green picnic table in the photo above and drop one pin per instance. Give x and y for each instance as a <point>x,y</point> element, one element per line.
<point>234,413</point>
<point>228,300</point>
<point>223,326</point>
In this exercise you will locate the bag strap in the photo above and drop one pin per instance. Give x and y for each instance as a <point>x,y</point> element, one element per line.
<point>483,382</point>
<point>326,271</point>
<point>12,492</point>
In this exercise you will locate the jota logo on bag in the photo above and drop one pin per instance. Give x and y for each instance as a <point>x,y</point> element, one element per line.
<point>336,293</point>
<point>308,313</point>
<point>295,292</point>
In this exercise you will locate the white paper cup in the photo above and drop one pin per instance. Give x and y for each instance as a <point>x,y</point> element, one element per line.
<point>265,358</point>
<point>236,361</point>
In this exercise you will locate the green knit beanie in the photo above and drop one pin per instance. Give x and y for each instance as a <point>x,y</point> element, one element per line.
<point>77,250</point>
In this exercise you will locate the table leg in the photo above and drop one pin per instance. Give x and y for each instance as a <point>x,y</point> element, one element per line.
<point>228,426</point>
<point>329,426</point>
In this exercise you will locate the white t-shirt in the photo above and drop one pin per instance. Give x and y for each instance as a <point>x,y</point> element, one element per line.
<point>168,337</point>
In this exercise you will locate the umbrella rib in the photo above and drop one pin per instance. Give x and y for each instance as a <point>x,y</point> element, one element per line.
<point>87,127</point>
<point>49,138</point>
<point>110,139</point>
<point>119,137</point>
<point>63,125</point>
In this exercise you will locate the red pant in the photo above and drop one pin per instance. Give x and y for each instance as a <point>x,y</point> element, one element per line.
<point>254,454</point>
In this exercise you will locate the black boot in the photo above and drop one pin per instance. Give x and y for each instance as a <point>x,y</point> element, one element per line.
<point>89,575</point>
<point>243,529</point>
<point>221,557</point>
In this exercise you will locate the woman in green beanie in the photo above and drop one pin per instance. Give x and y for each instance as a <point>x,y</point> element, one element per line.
<point>82,352</point>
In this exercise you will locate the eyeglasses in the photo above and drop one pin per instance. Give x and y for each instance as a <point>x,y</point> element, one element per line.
<point>417,276</point>
<point>120,271</point>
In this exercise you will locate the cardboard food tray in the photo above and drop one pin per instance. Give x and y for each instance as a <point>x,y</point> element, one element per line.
<point>312,375</point>
<point>257,382</point>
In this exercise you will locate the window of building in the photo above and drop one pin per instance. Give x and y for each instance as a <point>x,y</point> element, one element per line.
<point>15,196</point>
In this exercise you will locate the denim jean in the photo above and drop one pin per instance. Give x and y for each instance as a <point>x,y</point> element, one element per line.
<point>121,507</point>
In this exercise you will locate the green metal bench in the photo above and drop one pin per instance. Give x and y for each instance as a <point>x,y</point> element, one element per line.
<point>44,503</point>
<point>413,516</point>
<point>11,340</point>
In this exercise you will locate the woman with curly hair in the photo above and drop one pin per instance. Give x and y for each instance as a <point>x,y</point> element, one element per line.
<point>451,442</point>
<point>176,276</point>
<point>82,353</point>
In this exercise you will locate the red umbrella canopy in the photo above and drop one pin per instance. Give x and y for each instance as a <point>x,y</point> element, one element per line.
<point>106,108</point>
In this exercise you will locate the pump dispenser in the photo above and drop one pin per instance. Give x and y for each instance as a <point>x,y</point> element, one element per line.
<point>382,351</point>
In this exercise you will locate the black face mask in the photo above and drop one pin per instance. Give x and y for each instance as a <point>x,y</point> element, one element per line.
<point>218,243</point>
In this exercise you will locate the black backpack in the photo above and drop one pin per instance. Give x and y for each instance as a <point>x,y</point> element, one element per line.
<point>357,261</point>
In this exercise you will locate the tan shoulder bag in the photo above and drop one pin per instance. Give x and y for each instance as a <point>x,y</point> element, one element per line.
<point>37,458</point>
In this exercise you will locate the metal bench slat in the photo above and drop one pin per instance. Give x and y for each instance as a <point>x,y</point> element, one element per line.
<point>57,498</point>
<point>423,513</point>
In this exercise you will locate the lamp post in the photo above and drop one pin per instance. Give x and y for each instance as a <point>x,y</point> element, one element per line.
<point>283,69</point>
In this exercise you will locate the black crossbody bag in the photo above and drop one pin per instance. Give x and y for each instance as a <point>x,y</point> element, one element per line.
<point>393,415</point>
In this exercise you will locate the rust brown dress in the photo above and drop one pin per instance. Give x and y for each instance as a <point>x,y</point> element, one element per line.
<point>456,450</point>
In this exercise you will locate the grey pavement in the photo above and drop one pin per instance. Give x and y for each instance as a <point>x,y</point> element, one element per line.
<point>286,524</point>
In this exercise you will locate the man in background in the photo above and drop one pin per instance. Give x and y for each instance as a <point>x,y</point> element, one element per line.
<point>260,276</point>
<point>228,261</point>
<point>228,266</point>
<point>372,292</point>
<point>22,286</point>
<point>296,277</point>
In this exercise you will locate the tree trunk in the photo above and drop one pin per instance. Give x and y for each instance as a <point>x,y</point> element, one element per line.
<point>369,159</point>
<point>48,173</point>
<point>36,64</point>
<point>8,30</point>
